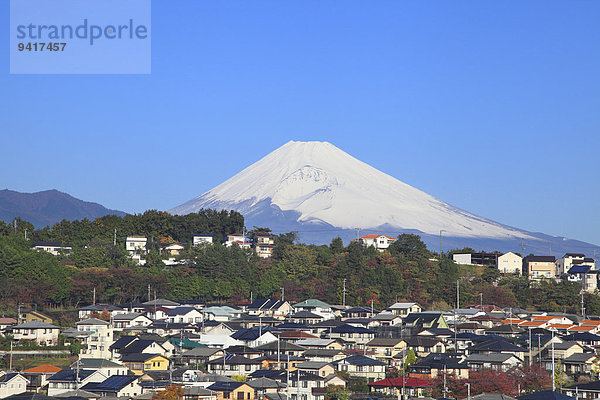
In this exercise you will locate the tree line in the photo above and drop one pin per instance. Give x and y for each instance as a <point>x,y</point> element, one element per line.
<point>215,273</point>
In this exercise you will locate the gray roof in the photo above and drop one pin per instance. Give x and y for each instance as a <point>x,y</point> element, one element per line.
<point>95,363</point>
<point>92,321</point>
<point>312,365</point>
<point>77,393</point>
<point>578,358</point>
<point>401,305</point>
<point>200,352</point>
<point>384,342</point>
<point>126,317</point>
<point>265,383</point>
<point>491,358</point>
<point>36,325</point>
<point>161,302</point>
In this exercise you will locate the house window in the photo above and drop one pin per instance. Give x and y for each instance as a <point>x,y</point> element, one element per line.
<point>240,395</point>
<point>226,395</point>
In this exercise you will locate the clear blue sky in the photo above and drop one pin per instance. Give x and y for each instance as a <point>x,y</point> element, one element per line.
<point>493,107</point>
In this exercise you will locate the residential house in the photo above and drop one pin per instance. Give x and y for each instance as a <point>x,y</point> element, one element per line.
<point>404,308</point>
<point>363,366</point>
<point>184,315</point>
<point>233,364</point>
<point>569,260</point>
<point>136,247</point>
<point>354,336</point>
<point>67,380</point>
<point>317,307</point>
<point>423,345</point>
<point>496,361</point>
<point>589,390</point>
<point>434,364</point>
<point>130,320</point>
<point>380,242</point>
<point>38,376</point>
<point>396,387</point>
<point>201,239</point>
<point>41,333</point>
<point>270,308</point>
<point>385,349</point>
<point>233,391</point>
<point>332,344</point>
<point>510,263</point>
<point>6,322</point>
<point>327,355</point>
<point>238,239</point>
<point>579,363</point>
<point>98,309</point>
<point>108,368</point>
<point>99,337</point>
<point>140,363</point>
<point>538,267</point>
<point>425,320</point>
<point>254,337</point>
<point>34,315</point>
<point>263,243</point>
<point>320,368</point>
<point>11,384</point>
<point>54,248</point>
<point>117,386</point>
<point>489,259</point>
<point>584,274</point>
<point>171,249</point>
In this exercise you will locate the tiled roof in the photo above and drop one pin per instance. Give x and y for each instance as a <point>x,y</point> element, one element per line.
<point>43,369</point>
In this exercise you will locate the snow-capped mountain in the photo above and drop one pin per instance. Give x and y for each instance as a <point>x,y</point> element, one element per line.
<point>314,186</point>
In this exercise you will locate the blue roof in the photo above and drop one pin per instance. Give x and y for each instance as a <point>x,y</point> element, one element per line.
<point>116,382</point>
<point>360,360</point>
<point>180,310</point>
<point>249,334</point>
<point>137,346</point>
<point>545,395</point>
<point>350,329</point>
<point>8,377</point>
<point>70,375</point>
<point>225,386</point>
<point>579,269</point>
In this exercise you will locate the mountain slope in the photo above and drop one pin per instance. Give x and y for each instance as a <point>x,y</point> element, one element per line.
<point>321,185</point>
<point>48,207</point>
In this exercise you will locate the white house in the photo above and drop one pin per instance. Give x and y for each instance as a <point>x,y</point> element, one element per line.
<point>198,239</point>
<point>108,368</point>
<point>12,383</point>
<point>239,239</point>
<point>317,307</point>
<point>510,263</point>
<point>68,379</point>
<point>263,243</point>
<point>130,320</point>
<point>40,332</point>
<point>380,242</point>
<point>54,248</point>
<point>565,263</point>
<point>405,308</point>
<point>185,314</point>
<point>98,340</point>
<point>136,246</point>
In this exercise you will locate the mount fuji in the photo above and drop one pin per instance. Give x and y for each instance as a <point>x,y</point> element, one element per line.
<point>322,192</point>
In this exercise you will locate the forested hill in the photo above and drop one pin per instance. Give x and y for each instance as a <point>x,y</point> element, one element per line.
<point>407,271</point>
<point>48,207</point>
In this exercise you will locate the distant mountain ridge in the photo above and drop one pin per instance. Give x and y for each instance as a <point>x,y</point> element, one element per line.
<point>320,191</point>
<point>49,207</point>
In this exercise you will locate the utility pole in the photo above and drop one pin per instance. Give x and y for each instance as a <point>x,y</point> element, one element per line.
<point>529,347</point>
<point>282,294</point>
<point>553,374</point>
<point>344,293</point>
<point>441,230</point>
<point>115,238</point>
<point>582,306</point>
<point>522,249</point>
<point>11,356</point>
<point>25,233</point>
<point>94,300</point>
<point>148,292</point>
<point>357,233</point>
